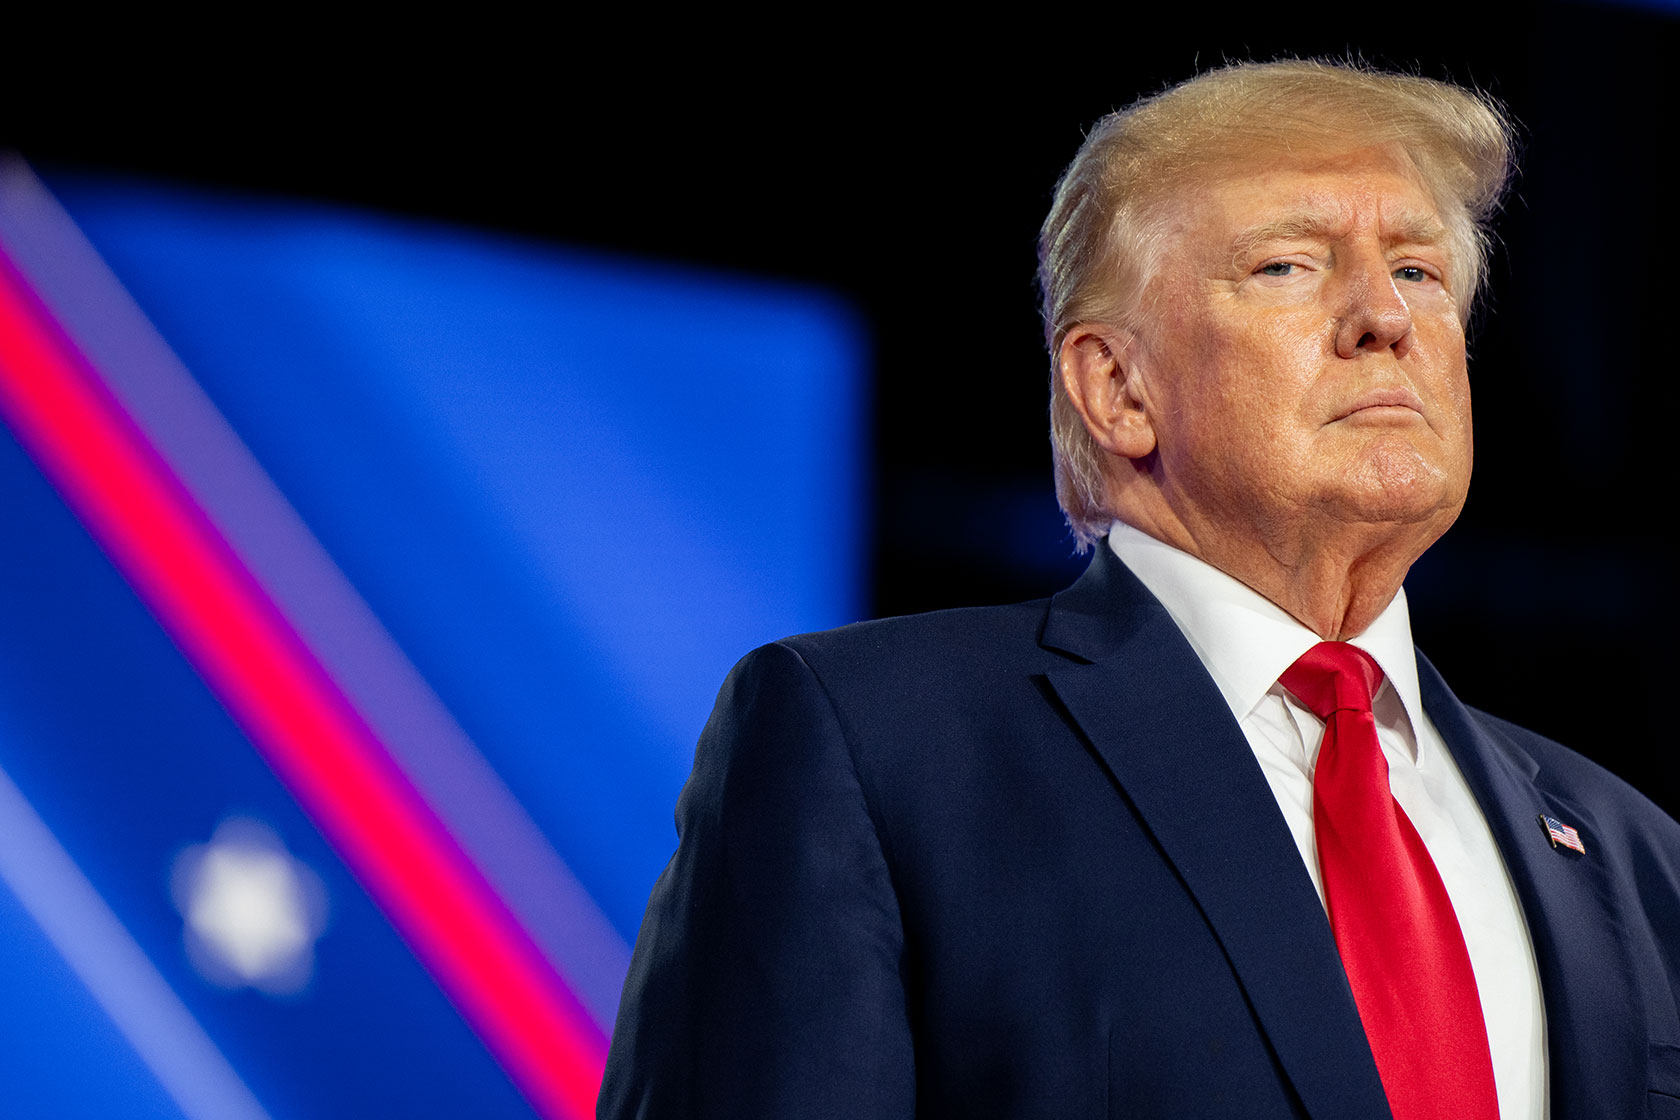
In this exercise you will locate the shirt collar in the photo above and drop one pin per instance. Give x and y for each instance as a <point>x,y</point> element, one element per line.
<point>1244,639</point>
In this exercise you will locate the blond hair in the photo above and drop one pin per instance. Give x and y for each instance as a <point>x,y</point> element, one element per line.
<point>1099,244</point>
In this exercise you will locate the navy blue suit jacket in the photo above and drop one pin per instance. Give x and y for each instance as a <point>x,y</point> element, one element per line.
<point>1021,862</point>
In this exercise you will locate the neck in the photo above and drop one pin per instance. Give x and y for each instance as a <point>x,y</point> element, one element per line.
<point>1335,580</point>
<point>1335,595</point>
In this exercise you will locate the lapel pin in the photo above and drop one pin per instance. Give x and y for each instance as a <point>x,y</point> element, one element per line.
<point>1561,835</point>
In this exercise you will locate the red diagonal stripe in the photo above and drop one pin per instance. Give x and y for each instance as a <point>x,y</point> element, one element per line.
<point>305,728</point>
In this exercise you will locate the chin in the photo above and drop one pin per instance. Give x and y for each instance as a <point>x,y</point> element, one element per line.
<point>1399,485</point>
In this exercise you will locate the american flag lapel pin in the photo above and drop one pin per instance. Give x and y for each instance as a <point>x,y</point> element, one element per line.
<point>1561,835</point>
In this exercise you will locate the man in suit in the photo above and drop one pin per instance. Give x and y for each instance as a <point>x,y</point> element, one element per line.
<point>1202,836</point>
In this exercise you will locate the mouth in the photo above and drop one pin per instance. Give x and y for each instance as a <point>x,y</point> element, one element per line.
<point>1388,404</point>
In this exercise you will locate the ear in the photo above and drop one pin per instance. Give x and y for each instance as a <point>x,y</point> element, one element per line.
<point>1097,372</point>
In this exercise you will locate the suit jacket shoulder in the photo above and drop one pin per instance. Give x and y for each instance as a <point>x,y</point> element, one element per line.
<point>943,681</point>
<point>947,650</point>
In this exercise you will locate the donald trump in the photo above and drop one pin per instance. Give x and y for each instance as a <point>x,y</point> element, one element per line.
<point>1202,835</point>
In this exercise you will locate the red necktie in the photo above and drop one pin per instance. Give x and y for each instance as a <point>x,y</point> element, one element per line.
<point>1394,924</point>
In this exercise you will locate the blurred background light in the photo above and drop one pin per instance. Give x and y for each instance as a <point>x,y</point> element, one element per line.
<point>252,912</point>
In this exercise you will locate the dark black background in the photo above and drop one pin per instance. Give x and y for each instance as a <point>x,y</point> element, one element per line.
<point>906,161</point>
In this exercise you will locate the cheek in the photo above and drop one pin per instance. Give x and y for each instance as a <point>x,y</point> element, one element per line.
<point>1454,395</point>
<point>1469,428</point>
<point>1236,393</point>
<point>1441,340</point>
<point>1271,374</point>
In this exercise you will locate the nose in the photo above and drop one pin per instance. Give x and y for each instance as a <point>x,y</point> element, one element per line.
<point>1375,317</point>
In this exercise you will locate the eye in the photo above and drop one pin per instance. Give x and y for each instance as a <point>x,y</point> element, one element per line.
<point>1276,268</point>
<point>1411,273</point>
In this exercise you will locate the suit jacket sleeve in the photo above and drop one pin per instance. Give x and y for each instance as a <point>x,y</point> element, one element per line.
<point>766,979</point>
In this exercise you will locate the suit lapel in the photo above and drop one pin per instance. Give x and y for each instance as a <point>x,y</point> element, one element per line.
<point>1596,1044</point>
<point>1157,720</point>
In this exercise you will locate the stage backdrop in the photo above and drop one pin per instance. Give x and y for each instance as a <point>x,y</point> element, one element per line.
<point>364,586</point>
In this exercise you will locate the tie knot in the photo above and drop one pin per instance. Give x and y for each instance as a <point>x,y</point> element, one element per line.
<point>1333,676</point>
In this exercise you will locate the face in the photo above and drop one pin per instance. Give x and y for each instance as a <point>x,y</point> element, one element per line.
<point>1302,360</point>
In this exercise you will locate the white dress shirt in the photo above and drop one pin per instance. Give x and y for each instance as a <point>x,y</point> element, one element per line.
<point>1246,642</point>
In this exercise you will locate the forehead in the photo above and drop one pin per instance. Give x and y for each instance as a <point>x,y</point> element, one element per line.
<point>1241,203</point>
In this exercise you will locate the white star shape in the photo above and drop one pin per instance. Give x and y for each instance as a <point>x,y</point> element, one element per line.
<point>252,912</point>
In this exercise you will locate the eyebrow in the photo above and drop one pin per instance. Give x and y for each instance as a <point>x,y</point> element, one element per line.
<point>1410,229</point>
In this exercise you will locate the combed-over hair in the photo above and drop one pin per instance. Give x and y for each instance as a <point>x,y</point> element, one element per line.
<point>1098,247</point>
